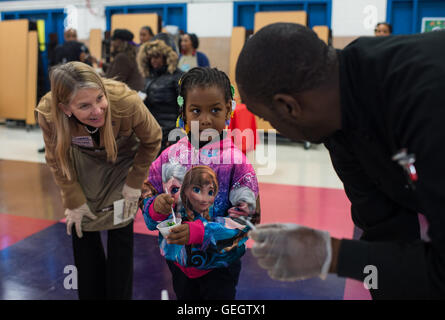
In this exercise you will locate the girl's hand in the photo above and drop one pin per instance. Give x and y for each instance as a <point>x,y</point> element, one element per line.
<point>179,235</point>
<point>242,209</point>
<point>164,203</point>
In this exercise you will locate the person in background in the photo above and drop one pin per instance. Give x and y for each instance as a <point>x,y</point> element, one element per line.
<point>190,57</point>
<point>158,63</point>
<point>100,141</point>
<point>123,66</point>
<point>145,34</point>
<point>383,29</point>
<point>71,50</point>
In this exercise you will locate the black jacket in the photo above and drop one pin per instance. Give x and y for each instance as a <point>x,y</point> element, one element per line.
<point>162,92</point>
<point>69,51</point>
<point>393,97</point>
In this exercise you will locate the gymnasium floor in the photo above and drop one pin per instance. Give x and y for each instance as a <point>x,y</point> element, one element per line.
<point>35,249</point>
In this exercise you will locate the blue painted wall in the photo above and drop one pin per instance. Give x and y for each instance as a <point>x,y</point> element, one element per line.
<point>319,11</point>
<point>405,16</point>
<point>172,14</point>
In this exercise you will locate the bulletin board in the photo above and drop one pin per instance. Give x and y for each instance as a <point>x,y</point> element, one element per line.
<point>95,43</point>
<point>236,45</point>
<point>262,19</point>
<point>18,76</point>
<point>322,32</point>
<point>432,24</point>
<point>134,22</point>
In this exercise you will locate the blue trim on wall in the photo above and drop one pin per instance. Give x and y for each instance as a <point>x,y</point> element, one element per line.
<point>244,11</point>
<point>168,12</point>
<point>405,16</point>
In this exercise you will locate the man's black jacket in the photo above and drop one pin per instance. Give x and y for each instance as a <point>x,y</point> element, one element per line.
<point>393,97</point>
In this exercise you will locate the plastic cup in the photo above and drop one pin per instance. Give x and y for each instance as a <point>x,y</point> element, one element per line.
<point>164,228</point>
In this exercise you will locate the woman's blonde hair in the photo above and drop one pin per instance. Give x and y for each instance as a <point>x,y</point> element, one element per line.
<point>66,80</point>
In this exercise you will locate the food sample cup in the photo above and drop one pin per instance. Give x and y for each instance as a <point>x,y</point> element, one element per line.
<point>164,227</point>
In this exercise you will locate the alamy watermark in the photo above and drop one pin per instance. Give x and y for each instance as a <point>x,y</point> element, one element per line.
<point>371,16</point>
<point>371,280</point>
<point>265,155</point>
<point>70,281</point>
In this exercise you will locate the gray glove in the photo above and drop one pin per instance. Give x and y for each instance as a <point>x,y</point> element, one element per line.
<point>292,252</point>
<point>75,216</point>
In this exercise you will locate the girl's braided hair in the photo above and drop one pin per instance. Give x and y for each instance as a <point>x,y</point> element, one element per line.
<point>204,77</point>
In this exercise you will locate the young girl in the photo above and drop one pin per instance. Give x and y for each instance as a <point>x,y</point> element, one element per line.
<point>207,103</point>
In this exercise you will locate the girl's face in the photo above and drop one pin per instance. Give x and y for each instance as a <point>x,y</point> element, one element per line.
<point>89,106</point>
<point>208,107</point>
<point>173,187</point>
<point>186,43</point>
<point>144,36</point>
<point>200,197</point>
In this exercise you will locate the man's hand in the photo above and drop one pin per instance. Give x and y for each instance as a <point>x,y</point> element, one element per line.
<point>292,252</point>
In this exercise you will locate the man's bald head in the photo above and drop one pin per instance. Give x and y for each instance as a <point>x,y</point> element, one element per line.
<point>70,35</point>
<point>283,58</point>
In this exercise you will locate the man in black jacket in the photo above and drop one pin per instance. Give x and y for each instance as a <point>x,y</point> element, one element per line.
<point>71,50</point>
<point>378,105</point>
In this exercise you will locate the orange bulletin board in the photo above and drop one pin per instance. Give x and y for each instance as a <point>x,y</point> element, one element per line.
<point>262,19</point>
<point>134,22</point>
<point>95,43</point>
<point>18,76</point>
<point>236,44</point>
<point>322,32</point>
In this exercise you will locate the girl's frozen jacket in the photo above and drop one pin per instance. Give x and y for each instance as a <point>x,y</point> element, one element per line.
<point>235,175</point>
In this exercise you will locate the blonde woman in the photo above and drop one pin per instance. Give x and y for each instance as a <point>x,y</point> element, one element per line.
<point>100,140</point>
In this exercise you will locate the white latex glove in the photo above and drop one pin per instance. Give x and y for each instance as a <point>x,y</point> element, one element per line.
<point>75,216</point>
<point>292,252</point>
<point>131,197</point>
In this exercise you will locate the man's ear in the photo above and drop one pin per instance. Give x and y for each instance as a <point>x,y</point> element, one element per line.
<point>287,105</point>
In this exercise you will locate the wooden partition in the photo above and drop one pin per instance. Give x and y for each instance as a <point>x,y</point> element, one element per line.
<point>95,43</point>
<point>18,75</point>
<point>134,22</point>
<point>322,32</point>
<point>236,45</point>
<point>263,19</point>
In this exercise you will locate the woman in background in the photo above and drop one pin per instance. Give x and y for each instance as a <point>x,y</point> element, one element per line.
<point>190,57</point>
<point>123,66</point>
<point>158,63</point>
<point>383,29</point>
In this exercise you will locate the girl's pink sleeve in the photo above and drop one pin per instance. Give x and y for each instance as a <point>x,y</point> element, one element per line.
<point>155,174</point>
<point>196,231</point>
